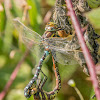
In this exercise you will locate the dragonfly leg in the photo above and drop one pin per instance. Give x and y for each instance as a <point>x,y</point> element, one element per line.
<point>94,96</point>
<point>44,80</point>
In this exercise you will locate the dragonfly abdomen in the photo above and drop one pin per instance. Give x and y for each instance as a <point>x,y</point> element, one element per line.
<point>27,92</point>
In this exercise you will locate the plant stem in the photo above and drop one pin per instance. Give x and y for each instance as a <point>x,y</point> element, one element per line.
<point>86,53</point>
<point>79,93</point>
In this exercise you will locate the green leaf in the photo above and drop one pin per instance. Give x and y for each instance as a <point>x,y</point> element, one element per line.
<point>32,12</point>
<point>2,19</point>
<point>92,94</point>
<point>93,3</point>
<point>31,98</point>
<point>8,36</point>
<point>15,10</point>
<point>68,69</point>
<point>94,17</point>
<point>2,61</point>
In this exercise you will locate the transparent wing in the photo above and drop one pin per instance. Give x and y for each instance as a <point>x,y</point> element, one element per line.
<point>65,51</point>
<point>26,32</point>
<point>65,59</point>
<point>62,44</point>
<point>30,37</point>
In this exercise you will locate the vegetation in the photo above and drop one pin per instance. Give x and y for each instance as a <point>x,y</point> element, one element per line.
<point>12,50</point>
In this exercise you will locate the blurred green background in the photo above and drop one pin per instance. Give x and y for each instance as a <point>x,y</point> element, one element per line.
<point>33,14</point>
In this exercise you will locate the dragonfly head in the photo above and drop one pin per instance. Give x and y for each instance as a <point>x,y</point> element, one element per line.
<point>50,30</point>
<point>51,26</point>
<point>31,90</point>
<point>34,89</point>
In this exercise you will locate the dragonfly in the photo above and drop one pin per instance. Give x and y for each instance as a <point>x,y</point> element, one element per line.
<point>37,91</point>
<point>54,40</point>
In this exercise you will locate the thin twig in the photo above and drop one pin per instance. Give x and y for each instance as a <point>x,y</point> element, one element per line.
<point>88,58</point>
<point>13,76</point>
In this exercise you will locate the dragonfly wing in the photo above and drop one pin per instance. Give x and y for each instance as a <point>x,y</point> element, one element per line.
<point>64,50</point>
<point>29,37</point>
<point>27,33</point>
<point>58,43</point>
<point>65,59</point>
<point>62,45</point>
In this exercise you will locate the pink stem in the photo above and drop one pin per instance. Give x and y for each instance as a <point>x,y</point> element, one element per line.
<point>88,58</point>
<point>13,76</point>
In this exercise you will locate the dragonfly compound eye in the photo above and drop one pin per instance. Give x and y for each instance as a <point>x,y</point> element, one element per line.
<point>33,91</point>
<point>27,94</point>
<point>51,26</point>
